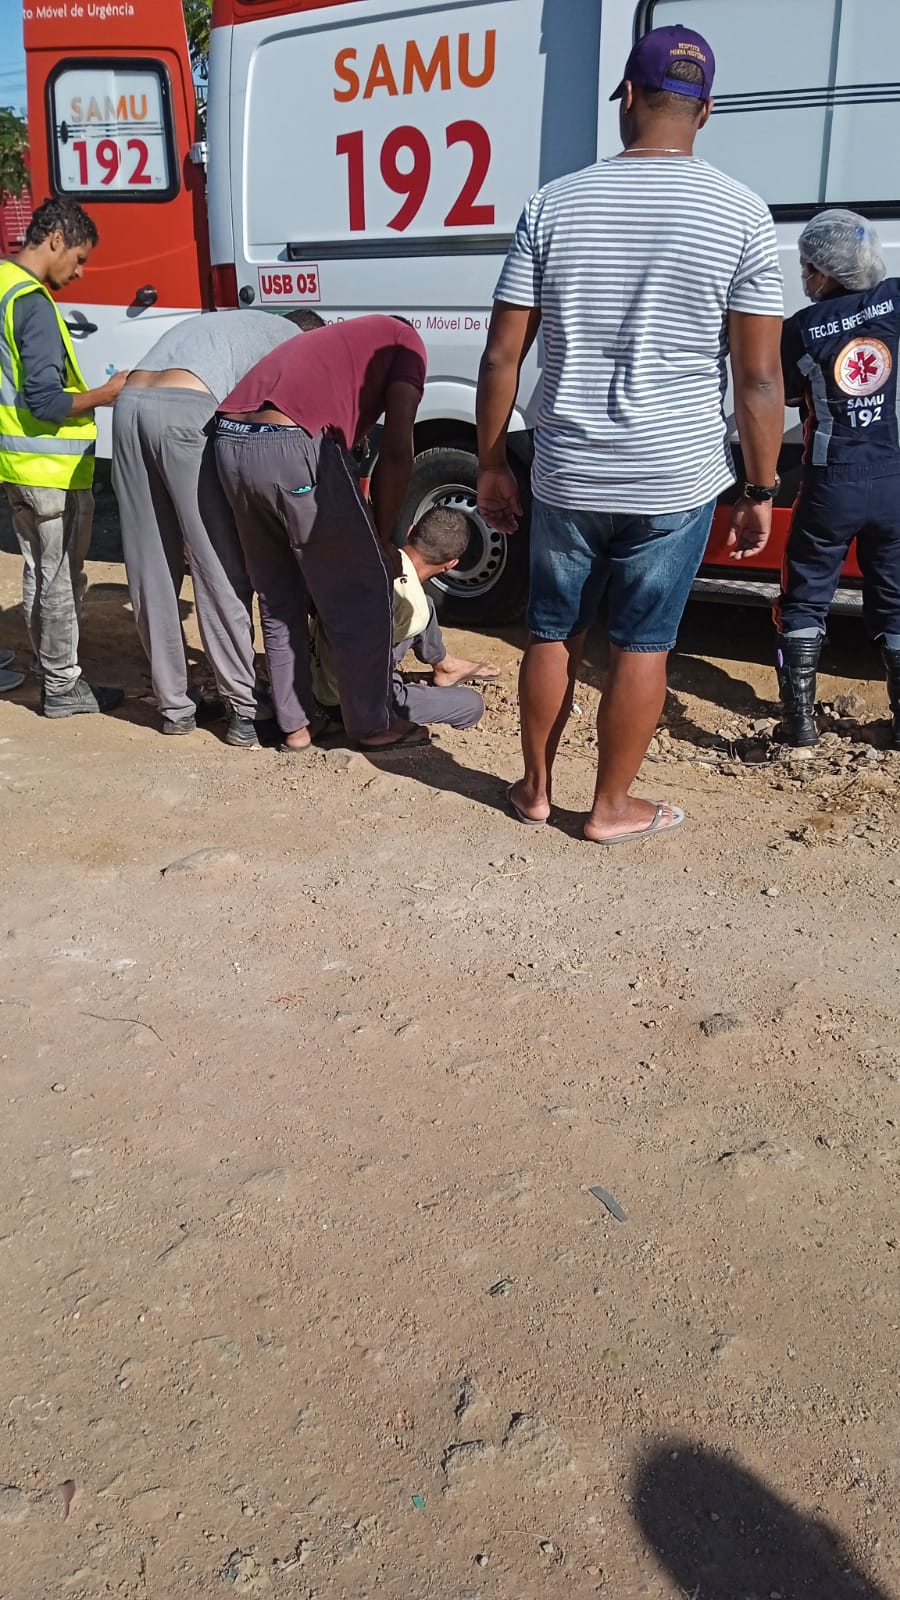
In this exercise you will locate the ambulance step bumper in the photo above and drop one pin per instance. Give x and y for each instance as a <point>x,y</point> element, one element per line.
<point>759,592</point>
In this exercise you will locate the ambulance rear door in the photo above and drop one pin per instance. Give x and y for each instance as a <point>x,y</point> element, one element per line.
<point>112,120</point>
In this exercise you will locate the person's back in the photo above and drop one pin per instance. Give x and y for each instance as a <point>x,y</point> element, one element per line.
<point>840,360</point>
<point>171,503</point>
<point>220,348</point>
<point>840,357</point>
<point>340,384</point>
<point>640,262</point>
<point>644,272</point>
<point>283,442</point>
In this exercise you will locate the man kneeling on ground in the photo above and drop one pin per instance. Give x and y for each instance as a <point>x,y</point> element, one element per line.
<point>435,545</point>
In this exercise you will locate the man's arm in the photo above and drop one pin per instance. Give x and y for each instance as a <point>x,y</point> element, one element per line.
<point>395,463</point>
<point>512,332</point>
<point>44,362</point>
<point>755,343</point>
<point>106,395</point>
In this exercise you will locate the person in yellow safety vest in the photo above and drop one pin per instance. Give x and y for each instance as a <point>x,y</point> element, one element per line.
<point>47,444</point>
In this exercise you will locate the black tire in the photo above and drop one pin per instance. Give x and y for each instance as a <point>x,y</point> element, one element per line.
<point>490,585</point>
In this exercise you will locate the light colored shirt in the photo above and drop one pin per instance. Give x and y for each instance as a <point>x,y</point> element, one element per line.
<point>411,617</point>
<point>635,263</point>
<point>219,347</point>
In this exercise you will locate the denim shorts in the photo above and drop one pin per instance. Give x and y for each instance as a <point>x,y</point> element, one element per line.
<point>646,563</point>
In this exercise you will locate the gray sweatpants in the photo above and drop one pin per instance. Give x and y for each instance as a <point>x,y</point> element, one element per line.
<point>459,707</point>
<point>53,527</point>
<point>306,531</point>
<point>171,501</point>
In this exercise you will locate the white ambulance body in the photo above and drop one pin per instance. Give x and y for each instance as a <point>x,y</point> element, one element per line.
<point>374,156</point>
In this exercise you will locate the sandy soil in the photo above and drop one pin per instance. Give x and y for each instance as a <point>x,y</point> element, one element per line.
<point>305,1290</point>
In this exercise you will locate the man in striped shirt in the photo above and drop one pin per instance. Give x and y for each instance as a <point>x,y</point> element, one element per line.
<point>643,272</point>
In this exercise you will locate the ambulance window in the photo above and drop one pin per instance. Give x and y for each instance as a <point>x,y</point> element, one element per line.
<point>111,132</point>
<point>802,114</point>
<point>865,125</point>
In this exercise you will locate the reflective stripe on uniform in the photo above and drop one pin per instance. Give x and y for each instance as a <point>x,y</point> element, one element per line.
<point>46,445</point>
<point>9,394</point>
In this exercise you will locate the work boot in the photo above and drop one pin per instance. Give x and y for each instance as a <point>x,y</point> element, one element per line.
<point>797,662</point>
<point>179,725</point>
<point>242,732</point>
<point>891,659</point>
<point>81,700</point>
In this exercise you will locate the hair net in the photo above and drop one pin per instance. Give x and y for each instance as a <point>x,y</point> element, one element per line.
<point>846,247</point>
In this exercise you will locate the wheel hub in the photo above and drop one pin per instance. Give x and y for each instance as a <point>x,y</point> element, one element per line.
<point>484,560</point>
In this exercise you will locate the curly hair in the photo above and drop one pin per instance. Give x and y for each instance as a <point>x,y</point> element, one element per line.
<point>63,216</point>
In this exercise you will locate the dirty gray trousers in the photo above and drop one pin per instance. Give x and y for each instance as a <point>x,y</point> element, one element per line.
<point>307,533</point>
<point>171,502</point>
<point>53,527</point>
<point>459,707</point>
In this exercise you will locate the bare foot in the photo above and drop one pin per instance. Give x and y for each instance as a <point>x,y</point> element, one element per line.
<point>529,803</point>
<point>634,818</point>
<point>299,740</point>
<point>453,670</point>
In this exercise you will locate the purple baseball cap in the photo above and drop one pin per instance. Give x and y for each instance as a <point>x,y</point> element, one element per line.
<point>651,61</point>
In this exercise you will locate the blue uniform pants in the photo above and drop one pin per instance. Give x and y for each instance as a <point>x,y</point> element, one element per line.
<point>835,506</point>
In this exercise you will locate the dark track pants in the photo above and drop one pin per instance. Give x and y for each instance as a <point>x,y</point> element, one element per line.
<point>835,506</point>
<point>306,532</point>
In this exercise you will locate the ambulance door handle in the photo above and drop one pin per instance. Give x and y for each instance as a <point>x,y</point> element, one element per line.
<point>78,325</point>
<point>147,296</point>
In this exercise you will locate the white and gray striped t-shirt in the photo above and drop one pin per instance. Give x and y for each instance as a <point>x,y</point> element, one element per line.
<point>635,263</point>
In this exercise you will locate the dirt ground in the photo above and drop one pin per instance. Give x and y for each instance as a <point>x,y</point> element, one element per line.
<point>305,1291</point>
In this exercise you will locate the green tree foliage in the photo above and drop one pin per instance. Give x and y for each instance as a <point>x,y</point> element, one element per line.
<point>13,145</point>
<point>196,19</point>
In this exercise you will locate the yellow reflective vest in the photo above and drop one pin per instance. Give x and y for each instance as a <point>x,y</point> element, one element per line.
<point>38,455</point>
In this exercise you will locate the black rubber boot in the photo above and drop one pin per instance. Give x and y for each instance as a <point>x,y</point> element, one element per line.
<point>891,659</point>
<point>797,662</point>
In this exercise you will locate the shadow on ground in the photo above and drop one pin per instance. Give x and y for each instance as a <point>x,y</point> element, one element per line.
<point>723,1535</point>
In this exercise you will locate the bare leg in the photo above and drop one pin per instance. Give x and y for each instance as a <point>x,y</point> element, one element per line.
<point>546,690</point>
<point>633,698</point>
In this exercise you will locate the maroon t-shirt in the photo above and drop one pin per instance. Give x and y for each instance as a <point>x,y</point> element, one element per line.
<point>335,379</point>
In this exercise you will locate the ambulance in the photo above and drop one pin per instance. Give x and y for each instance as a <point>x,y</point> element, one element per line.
<point>362,155</point>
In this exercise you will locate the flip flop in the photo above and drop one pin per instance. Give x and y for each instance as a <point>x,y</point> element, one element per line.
<point>656,826</point>
<point>408,740</point>
<point>522,816</point>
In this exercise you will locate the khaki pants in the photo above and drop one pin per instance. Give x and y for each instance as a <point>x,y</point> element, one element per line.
<point>53,527</point>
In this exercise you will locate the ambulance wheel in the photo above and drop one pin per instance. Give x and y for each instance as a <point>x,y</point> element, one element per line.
<point>490,585</point>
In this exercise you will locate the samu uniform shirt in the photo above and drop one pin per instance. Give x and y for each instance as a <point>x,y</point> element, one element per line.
<point>840,360</point>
